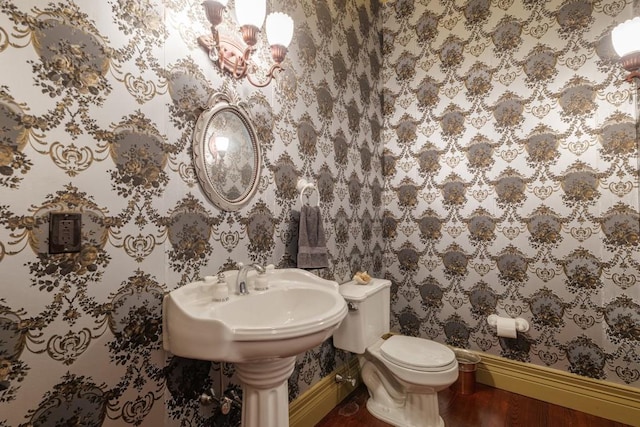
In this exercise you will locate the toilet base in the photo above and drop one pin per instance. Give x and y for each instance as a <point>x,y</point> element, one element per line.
<point>397,401</point>
<point>396,416</point>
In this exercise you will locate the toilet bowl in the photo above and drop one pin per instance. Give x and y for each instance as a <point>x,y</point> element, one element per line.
<point>403,386</point>
<point>403,374</point>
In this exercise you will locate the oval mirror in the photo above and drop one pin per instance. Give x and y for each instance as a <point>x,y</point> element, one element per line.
<point>226,154</point>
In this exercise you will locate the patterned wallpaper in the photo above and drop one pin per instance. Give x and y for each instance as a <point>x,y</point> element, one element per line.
<point>98,101</point>
<point>511,180</point>
<point>498,172</point>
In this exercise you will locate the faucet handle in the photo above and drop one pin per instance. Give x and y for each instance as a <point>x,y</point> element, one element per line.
<point>221,289</point>
<point>261,283</point>
<point>259,268</point>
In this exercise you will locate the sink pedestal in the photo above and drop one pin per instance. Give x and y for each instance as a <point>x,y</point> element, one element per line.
<point>265,393</point>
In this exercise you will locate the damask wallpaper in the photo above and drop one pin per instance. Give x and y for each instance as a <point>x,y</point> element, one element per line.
<point>511,180</point>
<point>481,155</point>
<point>98,101</point>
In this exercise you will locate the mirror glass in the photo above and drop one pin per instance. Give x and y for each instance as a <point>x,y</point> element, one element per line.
<point>226,153</point>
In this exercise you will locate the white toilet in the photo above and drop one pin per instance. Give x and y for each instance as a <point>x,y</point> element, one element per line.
<point>403,374</point>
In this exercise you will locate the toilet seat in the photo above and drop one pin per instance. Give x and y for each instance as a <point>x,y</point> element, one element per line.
<point>418,354</point>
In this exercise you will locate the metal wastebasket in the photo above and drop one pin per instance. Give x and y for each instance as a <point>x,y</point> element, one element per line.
<point>467,363</point>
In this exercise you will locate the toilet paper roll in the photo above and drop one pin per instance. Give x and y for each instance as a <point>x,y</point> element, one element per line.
<point>506,327</point>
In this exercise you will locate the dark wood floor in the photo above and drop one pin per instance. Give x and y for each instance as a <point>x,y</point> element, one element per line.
<point>487,407</point>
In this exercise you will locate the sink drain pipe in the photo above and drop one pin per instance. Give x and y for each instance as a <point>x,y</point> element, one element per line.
<point>224,402</point>
<point>348,379</point>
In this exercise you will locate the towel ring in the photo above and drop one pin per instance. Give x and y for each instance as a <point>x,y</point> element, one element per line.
<point>302,186</point>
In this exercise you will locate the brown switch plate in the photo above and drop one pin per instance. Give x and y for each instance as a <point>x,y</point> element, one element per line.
<point>65,232</point>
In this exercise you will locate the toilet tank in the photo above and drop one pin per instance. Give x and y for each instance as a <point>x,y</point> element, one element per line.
<point>368,316</point>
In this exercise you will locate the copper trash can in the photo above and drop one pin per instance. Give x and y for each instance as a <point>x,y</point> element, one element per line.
<point>467,363</point>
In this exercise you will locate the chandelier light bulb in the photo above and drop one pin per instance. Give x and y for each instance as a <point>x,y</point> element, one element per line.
<point>626,37</point>
<point>279,29</point>
<point>251,12</point>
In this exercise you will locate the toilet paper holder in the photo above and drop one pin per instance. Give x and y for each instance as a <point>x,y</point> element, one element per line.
<point>521,324</point>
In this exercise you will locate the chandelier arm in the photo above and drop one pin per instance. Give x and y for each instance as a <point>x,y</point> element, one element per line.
<point>634,74</point>
<point>241,65</point>
<point>239,68</point>
<point>270,76</point>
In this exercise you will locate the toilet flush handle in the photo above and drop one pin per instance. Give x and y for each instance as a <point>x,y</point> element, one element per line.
<point>353,306</point>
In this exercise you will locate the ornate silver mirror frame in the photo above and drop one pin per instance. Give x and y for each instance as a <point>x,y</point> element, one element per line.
<point>226,153</point>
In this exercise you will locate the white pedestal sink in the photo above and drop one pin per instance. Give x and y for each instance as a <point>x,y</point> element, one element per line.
<point>261,333</point>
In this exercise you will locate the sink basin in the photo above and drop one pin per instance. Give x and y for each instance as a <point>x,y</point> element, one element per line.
<point>261,333</point>
<point>298,312</point>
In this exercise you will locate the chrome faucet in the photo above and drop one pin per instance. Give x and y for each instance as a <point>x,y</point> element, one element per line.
<point>241,281</point>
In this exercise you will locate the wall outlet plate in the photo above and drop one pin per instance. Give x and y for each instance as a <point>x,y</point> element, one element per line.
<point>65,232</point>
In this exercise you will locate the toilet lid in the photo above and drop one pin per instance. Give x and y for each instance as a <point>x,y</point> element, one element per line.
<point>417,353</point>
